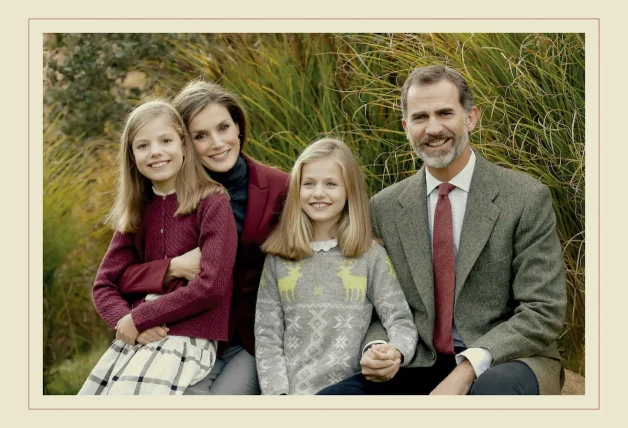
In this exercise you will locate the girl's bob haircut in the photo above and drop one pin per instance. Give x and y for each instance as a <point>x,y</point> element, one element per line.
<point>198,94</point>
<point>292,239</point>
<point>193,183</point>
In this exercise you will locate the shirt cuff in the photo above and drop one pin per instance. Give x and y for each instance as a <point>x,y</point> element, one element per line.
<point>371,343</point>
<point>480,359</point>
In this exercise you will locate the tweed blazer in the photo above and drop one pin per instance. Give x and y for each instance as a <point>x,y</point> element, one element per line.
<point>510,295</point>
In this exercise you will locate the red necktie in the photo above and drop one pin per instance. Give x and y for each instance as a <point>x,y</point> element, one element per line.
<point>444,271</point>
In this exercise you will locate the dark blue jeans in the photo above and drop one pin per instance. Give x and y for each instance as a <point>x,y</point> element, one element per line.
<point>513,378</point>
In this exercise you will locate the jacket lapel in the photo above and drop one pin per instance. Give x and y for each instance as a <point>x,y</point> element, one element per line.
<point>414,232</point>
<point>257,199</point>
<point>479,219</point>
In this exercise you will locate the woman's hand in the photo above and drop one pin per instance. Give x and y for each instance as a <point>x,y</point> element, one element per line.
<point>151,335</point>
<point>185,266</point>
<point>126,331</point>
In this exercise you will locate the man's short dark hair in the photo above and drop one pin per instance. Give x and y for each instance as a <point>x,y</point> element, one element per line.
<point>434,74</point>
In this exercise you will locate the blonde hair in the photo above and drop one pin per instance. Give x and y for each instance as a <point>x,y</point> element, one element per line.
<point>292,239</point>
<point>198,94</point>
<point>192,185</point>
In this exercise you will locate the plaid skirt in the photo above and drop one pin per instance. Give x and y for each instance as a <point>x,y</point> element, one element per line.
<point>166,367</point>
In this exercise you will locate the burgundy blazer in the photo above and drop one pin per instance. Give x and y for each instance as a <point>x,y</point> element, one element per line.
<point>266,193</point>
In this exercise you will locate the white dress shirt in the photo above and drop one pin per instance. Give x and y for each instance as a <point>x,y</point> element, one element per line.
<point>480,358</point>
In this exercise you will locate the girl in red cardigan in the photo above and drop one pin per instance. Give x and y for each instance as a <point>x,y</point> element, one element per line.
<point>166,206</point>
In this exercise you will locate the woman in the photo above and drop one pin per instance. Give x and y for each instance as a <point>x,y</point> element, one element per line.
<point>217,125</point>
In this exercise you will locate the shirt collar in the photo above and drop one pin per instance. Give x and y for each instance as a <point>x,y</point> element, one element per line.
<point>461,181</point>
<point>158,193</point>
<point>324,245</point>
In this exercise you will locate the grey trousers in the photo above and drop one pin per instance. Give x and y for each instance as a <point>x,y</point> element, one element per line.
<point>234,373</point>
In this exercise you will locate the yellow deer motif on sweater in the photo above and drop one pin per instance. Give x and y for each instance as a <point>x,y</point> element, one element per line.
<point>355,285</point>
<point>391,269</point>
<point>262,280</point>
<point>288,283</point>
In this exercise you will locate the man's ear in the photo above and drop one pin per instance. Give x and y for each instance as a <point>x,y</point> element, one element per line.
<point>405,126</point>
<point>472,118</point>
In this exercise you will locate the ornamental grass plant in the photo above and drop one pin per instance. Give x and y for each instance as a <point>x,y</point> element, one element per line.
<point>529,89</point>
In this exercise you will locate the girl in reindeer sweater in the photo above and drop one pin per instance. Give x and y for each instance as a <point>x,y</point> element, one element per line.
<point>322,278</point>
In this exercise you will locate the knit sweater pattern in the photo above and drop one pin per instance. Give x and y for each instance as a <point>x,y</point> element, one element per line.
<point>198,308</point>
<point>312,316</point>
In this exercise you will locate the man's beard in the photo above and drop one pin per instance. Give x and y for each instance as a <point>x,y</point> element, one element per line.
<point>441,158</point>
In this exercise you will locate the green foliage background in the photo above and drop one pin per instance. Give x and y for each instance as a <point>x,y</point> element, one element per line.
<point>296,88</point>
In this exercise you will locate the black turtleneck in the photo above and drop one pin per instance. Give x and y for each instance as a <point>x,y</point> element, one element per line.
<point>236,181</point>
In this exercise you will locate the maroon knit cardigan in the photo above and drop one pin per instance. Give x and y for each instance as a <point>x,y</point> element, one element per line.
<point>199,308</point>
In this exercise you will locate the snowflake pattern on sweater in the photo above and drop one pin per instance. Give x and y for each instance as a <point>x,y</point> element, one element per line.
<point>312,316</point>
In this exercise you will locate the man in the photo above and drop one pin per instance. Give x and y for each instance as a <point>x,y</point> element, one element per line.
<point>477,256</point>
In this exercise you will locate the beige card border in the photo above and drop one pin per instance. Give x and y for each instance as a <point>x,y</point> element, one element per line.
<point>590,26</point>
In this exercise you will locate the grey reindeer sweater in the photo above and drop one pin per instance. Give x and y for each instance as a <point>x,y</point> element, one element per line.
<point>312,316</point>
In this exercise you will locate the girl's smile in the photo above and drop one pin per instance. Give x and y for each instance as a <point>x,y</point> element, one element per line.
<point>158,164</point>
<point>320,205</point>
